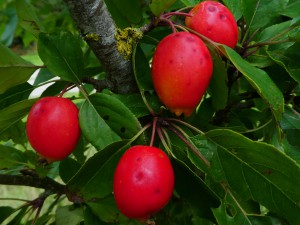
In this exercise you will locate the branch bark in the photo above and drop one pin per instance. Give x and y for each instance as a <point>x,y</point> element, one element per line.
<point>96,24</point>
<point>33,181</point>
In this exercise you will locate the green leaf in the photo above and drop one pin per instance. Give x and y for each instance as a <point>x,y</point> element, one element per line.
<point>28,18</point>
<point>260,13</point>
<point>190,187</point>
<point>67,216</point>
<point>288,59</point>
<point>5,211</point>
<point>257,174</point>
<point>272,31</point>
<point>135,104</point>
<point>13,113</point>
<point>7,35</point>
<point>292,9</point>
<point>218,88</point>
<point>13,69</point>
<point>17,93</point>
<point>10,157</point>
<point>107,210</point>
<point>259,80</point>
<point>157,6</point>
<point>118,117</point>
<point>90,218</point>
<point>290,119</point>
<point>235,7</point>
<point>125,12</point>
<point>141,69</point>
<point>68,168</point>
<point>94,128</point>
<point>19,216</point>
<point>189,2</point>
<point>224,219</point>
<point>62,54</point>
<point>94,179</point>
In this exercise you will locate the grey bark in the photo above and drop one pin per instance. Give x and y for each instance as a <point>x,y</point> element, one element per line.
<point>33,181</point>
<point>95,22</point>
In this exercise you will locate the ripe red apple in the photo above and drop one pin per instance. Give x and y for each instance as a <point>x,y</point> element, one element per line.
<point>52,127</point>
<point>181,71</point>
<point>215,21</point>
<point>143,181</point>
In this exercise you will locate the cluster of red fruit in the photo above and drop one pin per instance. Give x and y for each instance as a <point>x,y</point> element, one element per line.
<point>181,70</point>
<point>182,65</point>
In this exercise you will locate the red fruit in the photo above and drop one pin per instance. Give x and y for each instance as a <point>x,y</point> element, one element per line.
<point>143,181</point>
<point>215,21</point>
<point>52,127</point>
<point>181,71</point>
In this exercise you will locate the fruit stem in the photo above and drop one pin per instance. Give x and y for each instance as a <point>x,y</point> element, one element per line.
<point>68,87</point>
<point>140,132</point>
<point>167,20</point>
<point>153,131</point>
<point>181,134</point>
<point>170,14</point>
<point>163,141</point>
<point>185,124</point>
<point>146,103</point>
<point>204,38</point>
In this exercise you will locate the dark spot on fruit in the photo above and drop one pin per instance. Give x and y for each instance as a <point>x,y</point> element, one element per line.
<point>194,50</point>
<point>201,61</point>
<point>223,16</point>
<point>211,8</point>
<point>138,159</point>
<point>190,39</point>
<point>171,61</point>
<point>106,117</point>
<point>176,36</point>
<point>139,176</point>
<point>157,191</point>
<point>123,129</point>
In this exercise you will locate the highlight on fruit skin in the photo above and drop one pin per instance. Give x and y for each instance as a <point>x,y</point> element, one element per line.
<point>143,181</point>
<point>215,21</point>
<point>181,70</point>
<point>52,127</point>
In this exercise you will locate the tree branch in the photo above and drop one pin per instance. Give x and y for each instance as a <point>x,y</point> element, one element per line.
<point>33,181</point>
<point>95,22</point>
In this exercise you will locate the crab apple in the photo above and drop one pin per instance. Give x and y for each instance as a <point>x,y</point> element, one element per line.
<point>143,181</point>
<point>181,70</point>
<point>214,21</point>
<point>52,127</point>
